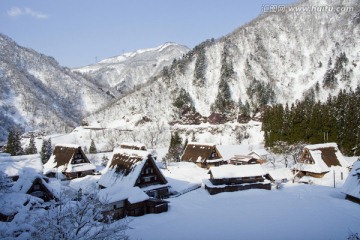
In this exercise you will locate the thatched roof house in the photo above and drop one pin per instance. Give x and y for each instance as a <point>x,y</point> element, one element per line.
<point>135,168</point>
<point>34,184</point>
<point>351,186</point>
<point>71,160</point>
<point>133,185</point>
<point>317,159</point>
<point>204,155</point>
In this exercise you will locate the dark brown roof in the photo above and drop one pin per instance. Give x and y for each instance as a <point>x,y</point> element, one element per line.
<point>124,163</point>
<point>63,154</point>
<point>195,150</point>
<point>329,157</point>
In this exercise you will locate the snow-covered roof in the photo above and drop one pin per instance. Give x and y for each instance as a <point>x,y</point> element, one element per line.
<point>280,173</point>
<point>258,153</point>
<point>81,167</point>
<point>324,156</point>
<point>13,165</point>
<point>352,183</point>
<point>12,203</point>
<point>202,144</point>
<point>118,193</point>
<point>131,162</point>
<point>62,157</point>
<point>236,171</point>
<point>133,145</point>
<point>321,145</point>
<point>67,145</point>
<point>200,152</point>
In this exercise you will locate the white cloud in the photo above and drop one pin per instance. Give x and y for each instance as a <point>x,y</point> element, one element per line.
<point>15,12</point>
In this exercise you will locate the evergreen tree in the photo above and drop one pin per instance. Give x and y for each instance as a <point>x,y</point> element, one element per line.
<point>46,150</point>
<point>43,151</point>
<point>13,145</point>
<point>49,149</point>
<point>175,148</point>
<point>92,148</point>
<point>10,143</point>
<point>17,143</point>
<point>31,148</point>
<point>223,102</point>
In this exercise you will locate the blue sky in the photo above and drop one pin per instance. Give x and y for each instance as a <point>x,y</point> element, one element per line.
<point>79,32</point>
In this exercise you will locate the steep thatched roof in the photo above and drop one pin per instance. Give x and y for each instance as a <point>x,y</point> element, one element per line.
<point>62,155</point>
<point>318,158</point>
<point>199,152</point>
<point>330,154</point>
<point>124,162</point>
<point>126,166</point>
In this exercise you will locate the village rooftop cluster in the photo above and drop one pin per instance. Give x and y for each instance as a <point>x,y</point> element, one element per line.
<point>133,184</point>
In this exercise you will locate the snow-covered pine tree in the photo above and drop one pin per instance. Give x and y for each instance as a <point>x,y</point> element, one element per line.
<point>92,148</point>
<point>31,148</point>
<point>175,148</point>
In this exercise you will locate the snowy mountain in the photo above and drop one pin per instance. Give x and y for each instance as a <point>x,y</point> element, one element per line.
<point>131,69</point>
<point>277,58</point>
<point>37,93</point>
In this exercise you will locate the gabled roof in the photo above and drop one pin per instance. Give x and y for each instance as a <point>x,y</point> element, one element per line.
<point>258,153</point>
<point>280,174</point>
<point>236,171</point>
<point>118,193</point>
<point>62,156</point>
<point>125,167</point>
<point>199,152</point>
<point>352,184</point>
<point>13,165</point>
<point>26,180</point>
<point>324,156</point>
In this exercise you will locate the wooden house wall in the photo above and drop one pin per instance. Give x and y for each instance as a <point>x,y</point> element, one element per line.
<point>353,199</point>
<point>136,209</point>
<point>231,181</point>
<point>72,175</point>
<point>234,188</point>
<point>159,193</point>
<point>150,175</point>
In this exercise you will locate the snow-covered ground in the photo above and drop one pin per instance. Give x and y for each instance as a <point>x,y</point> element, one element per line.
<point>297,211</point>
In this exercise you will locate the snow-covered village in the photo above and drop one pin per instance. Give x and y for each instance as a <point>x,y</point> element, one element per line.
<point>253,134</point>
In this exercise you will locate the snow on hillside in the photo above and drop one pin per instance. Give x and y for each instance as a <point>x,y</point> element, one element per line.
<point>130,69</point>
<point>287,55</point>
<point>37,93</point>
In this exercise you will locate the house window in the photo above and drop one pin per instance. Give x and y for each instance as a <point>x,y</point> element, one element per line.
<point>147,179</point>
<point>36,187</point>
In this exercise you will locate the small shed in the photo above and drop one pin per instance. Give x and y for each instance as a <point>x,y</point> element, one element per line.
<point>204,155</point>
<point>230,178</point>
<point>280,175</point>
<point>259,154</point>
<point>317,159</point>
<point>133,146</point>
<point>243,160</point>
<point>351,186</point>
<point>71,160</point>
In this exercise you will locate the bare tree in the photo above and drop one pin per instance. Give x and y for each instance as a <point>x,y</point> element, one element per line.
<point>80,219</point>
